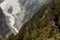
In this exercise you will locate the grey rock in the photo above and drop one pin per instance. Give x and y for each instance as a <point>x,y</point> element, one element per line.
<point>18,12</point>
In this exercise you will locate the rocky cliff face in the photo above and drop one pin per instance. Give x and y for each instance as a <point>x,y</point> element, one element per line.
<point>44,25</point>
<point>4,29</point>
<point>18,12</point>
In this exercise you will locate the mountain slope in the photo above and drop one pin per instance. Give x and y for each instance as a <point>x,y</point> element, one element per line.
<point>44,25</point>
<point>18,12</point>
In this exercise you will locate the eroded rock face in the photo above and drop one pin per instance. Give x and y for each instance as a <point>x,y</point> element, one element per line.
<point>4,29</point>
<point>18,12</point>
<point>1,1</point>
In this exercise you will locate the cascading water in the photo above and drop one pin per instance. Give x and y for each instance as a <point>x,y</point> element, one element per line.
<point>18,12</point>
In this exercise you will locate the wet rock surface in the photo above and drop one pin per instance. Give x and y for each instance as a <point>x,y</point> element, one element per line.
<point>18,12</point>
<point>4,29</point>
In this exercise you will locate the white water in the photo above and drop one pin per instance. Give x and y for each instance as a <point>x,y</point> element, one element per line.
<point>5,5</point>
<point>24,10</point>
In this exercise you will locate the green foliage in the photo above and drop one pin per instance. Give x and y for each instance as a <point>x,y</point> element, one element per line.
<point>11,37</point>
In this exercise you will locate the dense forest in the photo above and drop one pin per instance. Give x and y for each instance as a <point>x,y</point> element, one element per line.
<point>44,25</point>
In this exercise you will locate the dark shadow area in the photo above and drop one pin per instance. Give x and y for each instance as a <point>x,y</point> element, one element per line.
<point>56,19</point>
<point>10,9</point>
<point>4,29</point>
<point>1,1</point>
